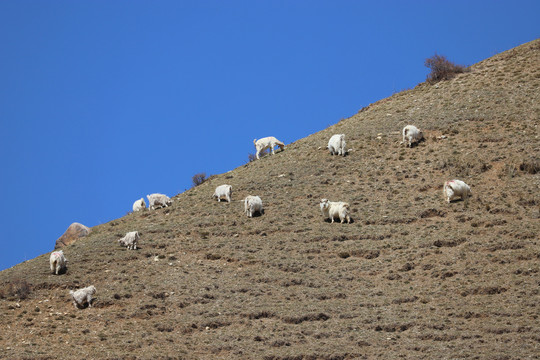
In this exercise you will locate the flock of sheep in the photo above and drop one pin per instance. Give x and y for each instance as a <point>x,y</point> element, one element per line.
<point>253,204</point>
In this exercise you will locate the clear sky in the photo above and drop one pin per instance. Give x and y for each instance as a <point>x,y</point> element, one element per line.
<point>103,102</point>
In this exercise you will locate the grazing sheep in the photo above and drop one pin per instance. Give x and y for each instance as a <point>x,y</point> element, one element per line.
<point>83,296</point>
<point>267,142</point>
<point>253,204</point>
<point>58,262</point>
<point>223,190</point>
<point>456,189</point>
<point>336,145</point>
<point>331,209</point>
<point>139,205</point>
<point>130,240</point>
<point>412,135</point>
<point>158,199</point>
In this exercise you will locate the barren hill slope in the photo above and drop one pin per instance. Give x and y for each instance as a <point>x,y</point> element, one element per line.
<point>411,277</point>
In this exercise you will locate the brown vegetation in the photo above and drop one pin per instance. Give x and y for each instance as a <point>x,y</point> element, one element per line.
<point>198,179</point>
<point>442,69</point>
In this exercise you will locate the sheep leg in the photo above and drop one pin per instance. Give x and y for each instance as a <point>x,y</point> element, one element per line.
<point>449,194</point>
<point>73,299</point>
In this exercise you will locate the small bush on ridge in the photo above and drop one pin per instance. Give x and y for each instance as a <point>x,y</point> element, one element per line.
<point>442,69</point>
<point>198,179</point>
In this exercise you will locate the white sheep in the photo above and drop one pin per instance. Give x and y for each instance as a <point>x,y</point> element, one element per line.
<point>269,142</point>
<point>456,189</point>
<point>253,204</point>
<point>139,205</point>
<point>158,199</point>
<point>223,190</point>
<point>58,262</point>
<point>412,135</point>
<point>130,240</point>
<point>337,145</point>
<point>331,209</point>
<point>83,296</point>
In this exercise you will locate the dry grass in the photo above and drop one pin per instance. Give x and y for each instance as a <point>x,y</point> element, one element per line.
<point>411,277</point>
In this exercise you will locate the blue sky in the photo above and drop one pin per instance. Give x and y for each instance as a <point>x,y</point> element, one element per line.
<point>103,102</point>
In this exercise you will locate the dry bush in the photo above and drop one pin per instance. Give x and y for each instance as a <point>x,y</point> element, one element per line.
<point>252,157</point>
<point>17,289</point>
<point>530,166</point>
<point>463,165</point>
<point>198,179</point>
<point>507,171</point>
<point>442,69</point>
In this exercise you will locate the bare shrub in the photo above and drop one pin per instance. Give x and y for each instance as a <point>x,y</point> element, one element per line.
<point>17,289</point>
<point>530,166</point>
<point>507,171</point>
<point>463,165</point>
<point>252,157</point>
<point>198,179</point>
<point>442,69</point>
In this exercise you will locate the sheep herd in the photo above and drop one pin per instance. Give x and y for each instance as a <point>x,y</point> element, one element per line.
<point>332,210</point>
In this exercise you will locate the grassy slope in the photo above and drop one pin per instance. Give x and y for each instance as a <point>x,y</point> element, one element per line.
<point>411,277</point>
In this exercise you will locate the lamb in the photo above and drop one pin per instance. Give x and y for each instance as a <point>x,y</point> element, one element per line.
<point>456,189</point>
<point>83,296</point>
<point>139,205</point>
<point>158,199</point>
<point>331,209</point>
<point>267,142</point>
<point>253,204</point>
<point>223,190</point>
<point>58,262</point>
<point>130,240</point>
<point>412,135</point>
<point>336,145</point>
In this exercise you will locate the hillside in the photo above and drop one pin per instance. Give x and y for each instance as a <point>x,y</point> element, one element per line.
<point>411,277</point>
